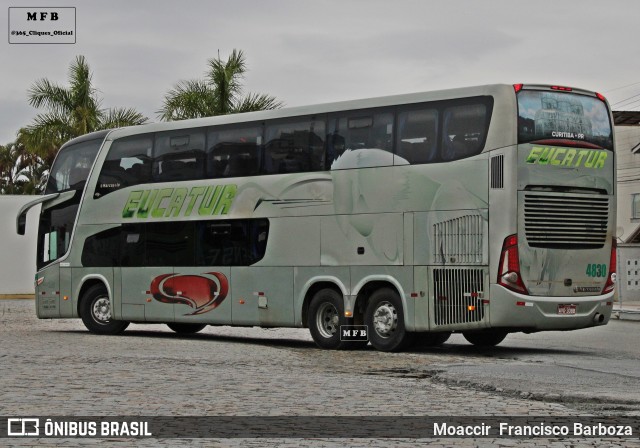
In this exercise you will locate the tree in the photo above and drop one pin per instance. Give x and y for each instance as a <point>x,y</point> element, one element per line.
<point>20,171</point>
<point>70,112</point>
<point>220,93</point>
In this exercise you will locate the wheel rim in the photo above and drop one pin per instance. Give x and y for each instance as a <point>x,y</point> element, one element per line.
<point>327,320</point>
<point>385,319</point>
<point>101,310</point>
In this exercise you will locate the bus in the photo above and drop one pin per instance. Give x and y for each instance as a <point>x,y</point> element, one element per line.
<point>481,210</point>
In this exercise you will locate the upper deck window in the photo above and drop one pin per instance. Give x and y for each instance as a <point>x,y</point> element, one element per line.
<point>579,120</point>
<point>72,166</point>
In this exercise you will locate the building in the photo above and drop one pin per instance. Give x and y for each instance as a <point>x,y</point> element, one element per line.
<point>627,133</point>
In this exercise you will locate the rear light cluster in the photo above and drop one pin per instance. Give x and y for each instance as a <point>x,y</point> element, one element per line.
<point>509,267</point>
<point>519,87</point>
<point>611,278</point>
<point>561,88</point>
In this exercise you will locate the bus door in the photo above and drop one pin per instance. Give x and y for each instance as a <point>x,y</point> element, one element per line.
<point>47,297</point>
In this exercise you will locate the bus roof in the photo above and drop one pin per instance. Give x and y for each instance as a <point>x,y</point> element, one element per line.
<point>492,89</point>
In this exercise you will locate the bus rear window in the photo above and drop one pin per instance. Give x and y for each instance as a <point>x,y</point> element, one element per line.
<point>573,118</point>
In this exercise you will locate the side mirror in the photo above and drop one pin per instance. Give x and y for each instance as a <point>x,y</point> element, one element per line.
<point>22,223</point>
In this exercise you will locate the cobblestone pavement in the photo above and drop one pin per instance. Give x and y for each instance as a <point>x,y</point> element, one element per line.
<point>55,367</point>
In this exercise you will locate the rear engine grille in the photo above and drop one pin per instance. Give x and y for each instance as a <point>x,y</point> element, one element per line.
<point>458,296</point>
<point>567,221</point>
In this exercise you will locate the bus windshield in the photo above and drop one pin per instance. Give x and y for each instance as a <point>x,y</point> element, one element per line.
<point>72,166</point>
<point>576,120</point>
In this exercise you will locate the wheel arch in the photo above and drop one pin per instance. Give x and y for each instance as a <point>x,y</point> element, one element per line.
<point>88,282</point>
<point>312,287</point>
<point>365,287</point>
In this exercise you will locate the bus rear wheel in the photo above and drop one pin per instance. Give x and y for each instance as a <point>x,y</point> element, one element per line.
<point>485,338</point>
<point>384,318</point>
<point>95,310</point>
<point>325,316</point>
<point>182,328</point>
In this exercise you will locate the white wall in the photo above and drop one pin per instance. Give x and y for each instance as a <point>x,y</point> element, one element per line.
<point>17,252</point>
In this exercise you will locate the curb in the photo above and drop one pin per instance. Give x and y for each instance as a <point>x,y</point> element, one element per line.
<point>17,296</point>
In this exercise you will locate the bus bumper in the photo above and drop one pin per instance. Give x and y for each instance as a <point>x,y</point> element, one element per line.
<point>531,313</point>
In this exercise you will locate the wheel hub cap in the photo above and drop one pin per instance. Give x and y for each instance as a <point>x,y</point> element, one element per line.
<point>385,319</point>
<point>102,310</point>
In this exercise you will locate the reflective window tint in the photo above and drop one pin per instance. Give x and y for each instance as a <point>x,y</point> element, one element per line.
<point>102,249</point>
<point>294,147</point>
<point>72,166</point>
<point>239,242</point>
<point>234,152</point>
<point>128,163</point>
<point>179,155</point>
<point>132,245</point>
<point>418,136</point>
<point>232,243</point>
<point>170,244</point>
<point>360,130</point>
<point>464,130</point>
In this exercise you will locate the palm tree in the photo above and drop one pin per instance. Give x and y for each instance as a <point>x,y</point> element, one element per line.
<point>20,172</point>
<point>70,112</point>
<point>220,93</point>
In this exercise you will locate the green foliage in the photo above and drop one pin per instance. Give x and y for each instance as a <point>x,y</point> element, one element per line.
<point>69,112</point>
<point>220,93</point>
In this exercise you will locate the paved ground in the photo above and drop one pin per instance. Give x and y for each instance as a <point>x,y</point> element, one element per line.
<point>56,367</point>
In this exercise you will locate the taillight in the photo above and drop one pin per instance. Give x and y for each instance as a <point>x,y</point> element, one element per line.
<point>561,88</point>
<point>509,268</point>
<point>612,277</point>
<point>601,97</point>
<point>517,87</point>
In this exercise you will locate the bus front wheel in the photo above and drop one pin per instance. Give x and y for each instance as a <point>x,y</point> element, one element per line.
<point>182,328</point>
<point>95,310</point>
<point>485,338</point>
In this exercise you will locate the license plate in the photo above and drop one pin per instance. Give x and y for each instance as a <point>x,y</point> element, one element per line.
<point>567,309</point>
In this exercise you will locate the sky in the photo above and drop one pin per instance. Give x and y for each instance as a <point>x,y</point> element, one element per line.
<point>308,52</point>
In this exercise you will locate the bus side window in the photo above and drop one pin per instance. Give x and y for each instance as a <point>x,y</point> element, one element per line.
<point>128,163</point>
<point>179,155</point>
<point>465,130</point>
<point>294,147</point>
<point>361,130</point>
<point>132,245</point>
<point>418,136</point>
<point>234,152</point>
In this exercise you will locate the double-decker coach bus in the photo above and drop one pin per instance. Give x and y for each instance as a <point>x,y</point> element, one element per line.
<point>483,210</point>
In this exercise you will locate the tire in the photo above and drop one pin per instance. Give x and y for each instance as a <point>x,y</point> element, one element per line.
<point>325,316</point>
<point>486,338</point>
<point>95,310</point>
<point>182,328</point>
<point>384,318</point>
<point>432,339</point>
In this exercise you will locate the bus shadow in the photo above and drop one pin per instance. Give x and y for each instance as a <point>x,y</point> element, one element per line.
<point>492,352</point>
<point>463,350</point>
<point>233,339</point>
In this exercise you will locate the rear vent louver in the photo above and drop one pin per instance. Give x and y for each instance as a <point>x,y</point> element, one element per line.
<point>458,240</point>
<point>458,296</point>
<point>497,172</point>
<point>566,221</point>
